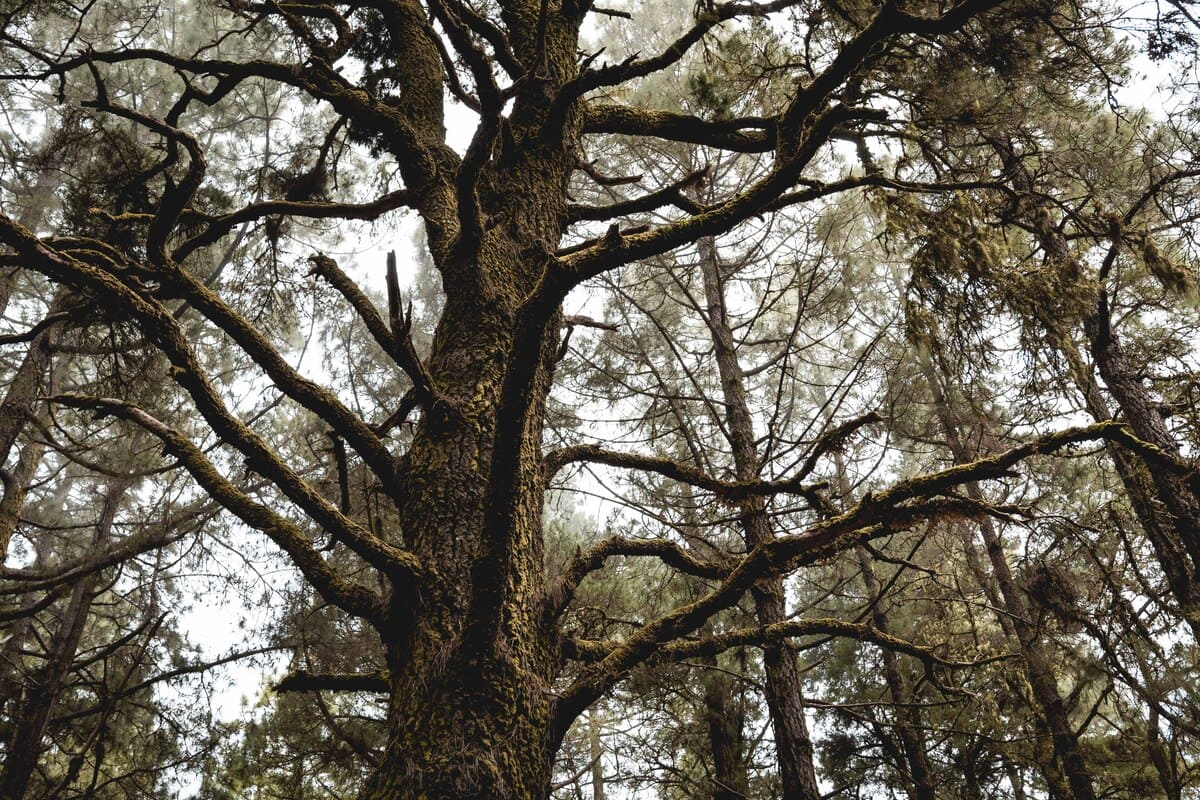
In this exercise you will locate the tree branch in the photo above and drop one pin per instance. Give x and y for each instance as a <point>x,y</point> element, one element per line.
<point>350,597</point>
<point>909,501</point>
<point>305,681</point>
<point>560,593</point>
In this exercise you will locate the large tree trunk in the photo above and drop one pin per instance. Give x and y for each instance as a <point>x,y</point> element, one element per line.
<point>470,703</point>
<point>471,658</point>
<point>785,688</point>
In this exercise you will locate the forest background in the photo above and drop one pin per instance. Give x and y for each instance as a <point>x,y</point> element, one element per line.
<point>788,399</point>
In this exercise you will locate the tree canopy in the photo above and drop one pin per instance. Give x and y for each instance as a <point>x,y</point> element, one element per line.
<point>732,399</point>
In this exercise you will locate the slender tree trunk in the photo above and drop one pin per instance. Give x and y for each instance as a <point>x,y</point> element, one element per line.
<point>908,722</point>
<point>28,382</point>
<point>1015,781</point>
<point>1043,748</point>
<point>1141,412</point>
<point>1168,510</point>
<point>16,410</point>
<point>784,685</point>
<point>40,693</point>
<point>1038,670</point>
<point>1143,492</point>
<point>596,754</point>
<point>16,488</point>
<point>1164,758</point>
<point>725,736</point>
<point>968,761</point>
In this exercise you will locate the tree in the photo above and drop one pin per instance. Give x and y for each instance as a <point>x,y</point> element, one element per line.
<point>243,123</point>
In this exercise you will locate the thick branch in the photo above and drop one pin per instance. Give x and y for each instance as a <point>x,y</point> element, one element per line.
<point>668,195</point>
<point>305,681</point>
<point>763,635</point>
<point>163,329</point>
<point>917,499</point>
<point>745,135</point>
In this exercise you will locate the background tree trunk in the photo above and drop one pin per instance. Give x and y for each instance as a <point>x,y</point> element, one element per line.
<point>784,688</point>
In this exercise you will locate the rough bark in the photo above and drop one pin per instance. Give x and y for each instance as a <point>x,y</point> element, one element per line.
<point>470,705</point>
<point>1143,493</point>
<point>784,686</point>
<point>724,722</point>
<point>1141,412</point>
<point>19,407</point>
<point>16,488</point>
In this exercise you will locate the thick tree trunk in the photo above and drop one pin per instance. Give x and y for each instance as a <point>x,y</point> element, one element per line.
<point>785,688</point>
<point>471,658</point>
<point>469,712</point>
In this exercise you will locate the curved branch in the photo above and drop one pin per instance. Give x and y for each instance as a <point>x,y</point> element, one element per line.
<point>216,227</point>
<point>614,251</point>
<point>304,391</point>
<point>419,156</point>
<point>633,67</point>
<point>163,329</point>
<point>395,341</point>
<point>730,491</point>
<point>900,507</point>
<point>668,195</point>
<point>350,597</point>
<point>561,592</point>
